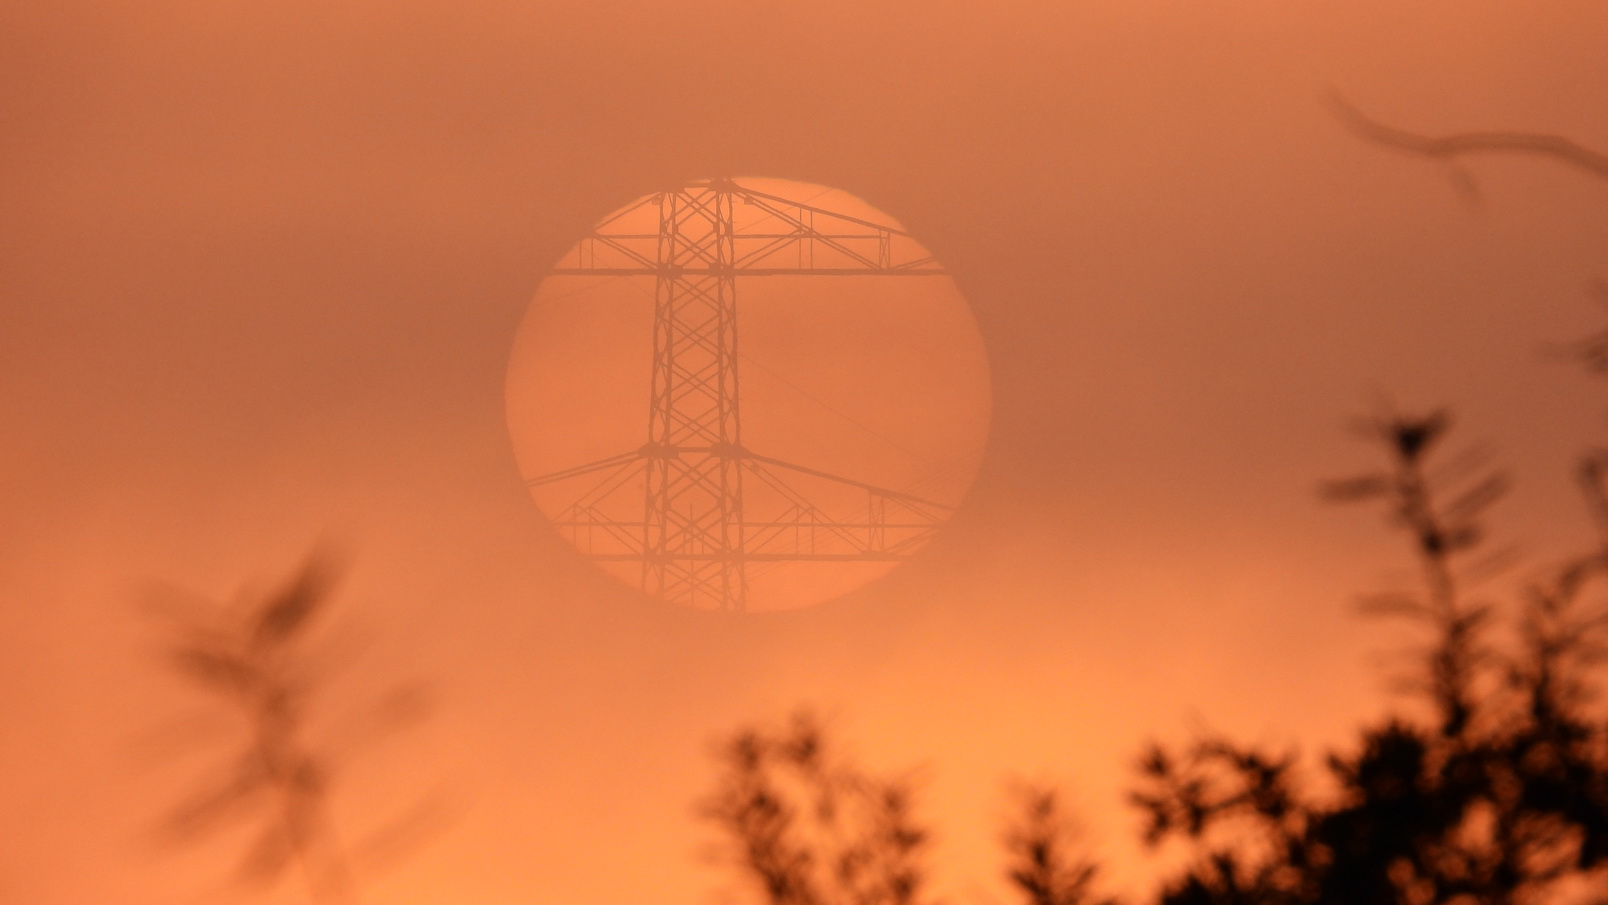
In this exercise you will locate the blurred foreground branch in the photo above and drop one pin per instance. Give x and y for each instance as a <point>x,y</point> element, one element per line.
<point>255,660</point>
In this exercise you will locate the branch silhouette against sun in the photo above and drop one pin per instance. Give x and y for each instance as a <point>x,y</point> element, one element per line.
<point>257,660</point>
<point>1449,148</point>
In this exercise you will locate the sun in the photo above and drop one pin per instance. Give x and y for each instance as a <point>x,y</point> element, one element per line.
<point>748,394</point>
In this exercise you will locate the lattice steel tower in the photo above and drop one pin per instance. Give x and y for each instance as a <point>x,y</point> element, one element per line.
<point>676,503</point>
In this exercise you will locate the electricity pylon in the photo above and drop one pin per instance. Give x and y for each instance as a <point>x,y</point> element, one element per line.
<point>676,504</point>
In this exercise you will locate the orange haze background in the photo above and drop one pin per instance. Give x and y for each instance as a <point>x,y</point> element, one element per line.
<point>261,268</point>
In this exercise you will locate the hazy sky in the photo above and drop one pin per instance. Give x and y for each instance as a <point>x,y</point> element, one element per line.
<point>262,267</point>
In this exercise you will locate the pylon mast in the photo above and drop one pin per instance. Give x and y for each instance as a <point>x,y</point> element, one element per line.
<point>692,538</point>
<point>693,542</point>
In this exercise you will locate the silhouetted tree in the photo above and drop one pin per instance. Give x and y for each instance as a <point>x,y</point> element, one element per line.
<point>804,826</point>
<point>1497,794</point>
<point>807,828</point>
<point>1042,860</point>
<point>1500,795</point>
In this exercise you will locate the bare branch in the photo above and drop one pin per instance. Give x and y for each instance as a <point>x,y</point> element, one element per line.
<point>1449,147</point>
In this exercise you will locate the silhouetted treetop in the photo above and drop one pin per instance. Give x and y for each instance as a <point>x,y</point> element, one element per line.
<point>1042,861</point>
<point>804,827</point>
<point>1499,796</point>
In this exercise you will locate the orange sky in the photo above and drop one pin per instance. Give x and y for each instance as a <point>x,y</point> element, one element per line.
<point>261,270</point>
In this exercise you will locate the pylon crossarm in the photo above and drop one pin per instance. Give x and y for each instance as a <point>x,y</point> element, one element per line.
<point>785,525</point>
<point>894,495</point>
<point>588,255</point>
<point>799,541</point>
<point>807,534</point>
<point>803,507</point>
<point>642,253</point>
<point>746,193</point>
<point>921,267</point>
<point>909,544</point>
<point>631,251</point>
<point>605,488</point>
<point>777,558</point>
<point>776,243</point>
<point>803,233</point>
<point>588,468</point>
<point>587,519</point>
<point>645,201</point>
<point>901,270</point>
<point>758,535</point>
<point>584,520</point>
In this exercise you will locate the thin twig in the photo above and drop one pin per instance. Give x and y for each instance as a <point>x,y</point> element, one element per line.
<point>1448,147</point>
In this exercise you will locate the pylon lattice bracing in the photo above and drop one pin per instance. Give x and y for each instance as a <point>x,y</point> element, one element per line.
<point>676,504</point>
